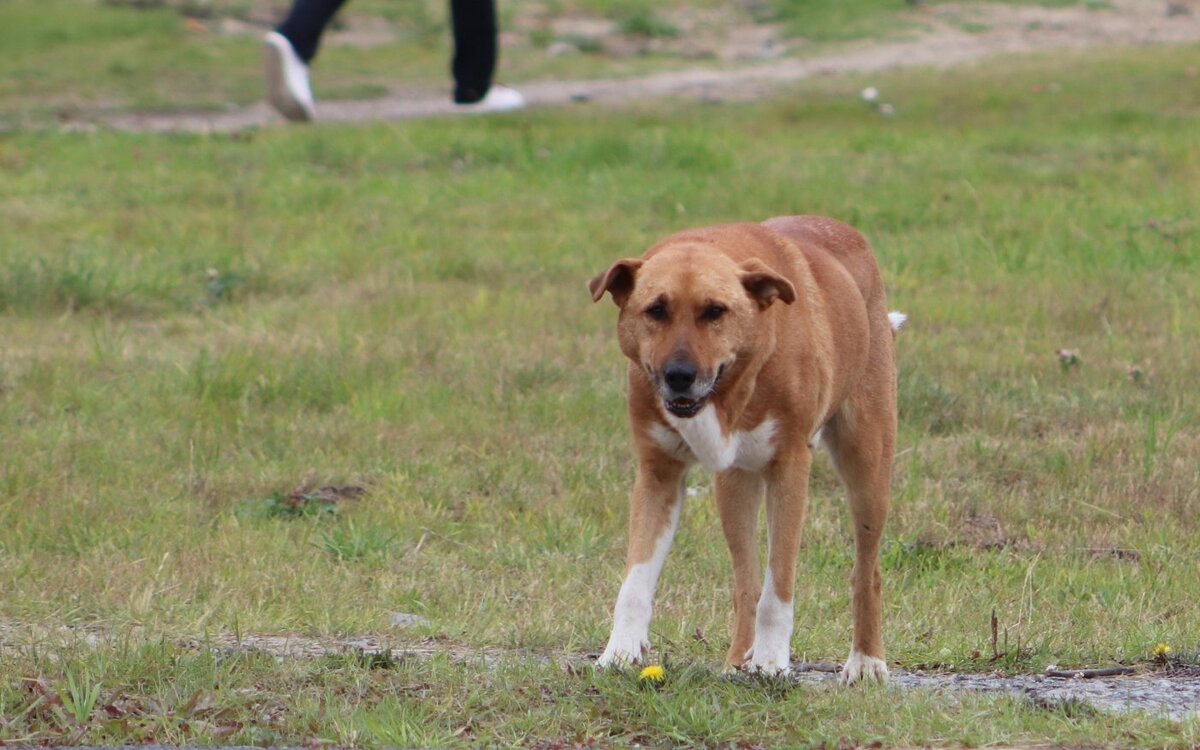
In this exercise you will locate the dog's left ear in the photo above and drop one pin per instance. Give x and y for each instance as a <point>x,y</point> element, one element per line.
<point>764,285</point>
<point>617,281</point>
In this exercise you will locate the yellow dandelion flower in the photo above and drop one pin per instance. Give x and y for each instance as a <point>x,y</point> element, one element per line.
<point>653,673</point>
<point>1162,650</point>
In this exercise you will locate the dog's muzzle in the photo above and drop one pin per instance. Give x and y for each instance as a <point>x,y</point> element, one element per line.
<point>683,393</point>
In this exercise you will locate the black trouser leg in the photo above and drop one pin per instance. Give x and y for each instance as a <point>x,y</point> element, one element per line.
<point>475,45</point>
<point>305,22</point>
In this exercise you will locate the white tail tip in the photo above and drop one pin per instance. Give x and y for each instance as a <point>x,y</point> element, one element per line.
<point>897,319</point>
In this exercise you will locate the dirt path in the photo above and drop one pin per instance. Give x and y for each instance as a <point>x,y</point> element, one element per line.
<point>952,35</point>
<point>1174,696</point>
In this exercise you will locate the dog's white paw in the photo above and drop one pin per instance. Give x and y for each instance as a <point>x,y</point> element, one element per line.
<point>768,660</point>
<point>622,652</point>
<point>860,666</point>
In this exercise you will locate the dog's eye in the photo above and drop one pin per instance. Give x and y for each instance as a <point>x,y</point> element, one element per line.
<point>713,313</point>
<point>657,311</point>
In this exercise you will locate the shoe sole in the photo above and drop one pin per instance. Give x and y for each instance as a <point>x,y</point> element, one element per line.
<point>475,109</point>
<point>278,92</point>
<point>482,108</point>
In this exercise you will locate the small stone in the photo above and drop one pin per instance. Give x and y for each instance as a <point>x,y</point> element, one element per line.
<point>403,620</point>
<point>561,49</point>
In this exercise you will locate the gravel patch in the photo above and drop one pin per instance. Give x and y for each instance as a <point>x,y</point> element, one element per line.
<point>1175,697</point>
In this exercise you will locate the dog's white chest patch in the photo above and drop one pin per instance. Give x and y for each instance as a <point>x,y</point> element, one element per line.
<point>699,439</point>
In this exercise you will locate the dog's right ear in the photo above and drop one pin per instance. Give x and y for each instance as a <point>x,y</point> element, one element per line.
<point>765,285</point>
<point>617,281</point>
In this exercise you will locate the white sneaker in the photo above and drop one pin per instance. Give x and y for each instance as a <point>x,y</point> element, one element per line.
<point>498,99</point>
<point>287,79</point>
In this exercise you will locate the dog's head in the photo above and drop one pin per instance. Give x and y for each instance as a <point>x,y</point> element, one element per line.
<point>689,313</point>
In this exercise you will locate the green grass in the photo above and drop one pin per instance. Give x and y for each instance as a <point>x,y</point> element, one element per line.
<point>195,326</point>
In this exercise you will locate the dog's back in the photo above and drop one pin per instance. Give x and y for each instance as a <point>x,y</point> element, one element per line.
<point>841,242</point>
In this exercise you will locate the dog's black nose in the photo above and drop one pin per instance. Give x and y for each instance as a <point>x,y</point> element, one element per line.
<point>680,376</point>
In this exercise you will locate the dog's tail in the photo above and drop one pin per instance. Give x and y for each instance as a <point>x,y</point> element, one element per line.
<point>897,319</point>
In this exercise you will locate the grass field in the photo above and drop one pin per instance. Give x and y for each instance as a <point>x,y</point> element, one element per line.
<point>193,327</point>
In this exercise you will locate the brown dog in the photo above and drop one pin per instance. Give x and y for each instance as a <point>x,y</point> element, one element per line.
<point>749,343</point>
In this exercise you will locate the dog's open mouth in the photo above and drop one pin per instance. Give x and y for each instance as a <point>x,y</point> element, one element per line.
<point>684,407</point>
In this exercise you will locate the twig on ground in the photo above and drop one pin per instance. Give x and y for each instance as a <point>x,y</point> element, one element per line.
<point>1090,673</point>
<point>820,666</point>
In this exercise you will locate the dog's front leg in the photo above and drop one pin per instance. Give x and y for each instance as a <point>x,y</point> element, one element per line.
<point>787,501</point>
<point>654,510</point>
<point>739,496</point>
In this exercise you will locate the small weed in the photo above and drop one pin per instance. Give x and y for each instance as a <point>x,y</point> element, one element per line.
<point>138,4</point>
<point>81,696</point>
<point>1068,359</point>
<point>1162,653</point>
<point>541,37</point>
<point>647,23</point>
<point>320,502</point>
<point>219,286</point>
<point>1186,661</point>
<point>361,658</point>
<point>1156,441</point>
<point>925,401</point>
<point>1072,709</point>
<point>378,659</point>
<point>402,724</point>
<point>920,558</point>
<point>353,542</point>
<point>588,45</point>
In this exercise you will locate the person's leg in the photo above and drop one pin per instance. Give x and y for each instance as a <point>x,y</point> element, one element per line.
<point>305,23</point>
<point>475,48</point>
<point>287,51</point>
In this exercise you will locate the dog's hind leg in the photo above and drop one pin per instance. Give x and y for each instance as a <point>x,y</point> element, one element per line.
<point>739,495</point>
<point>654,510</point>
<point>861,439</point>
